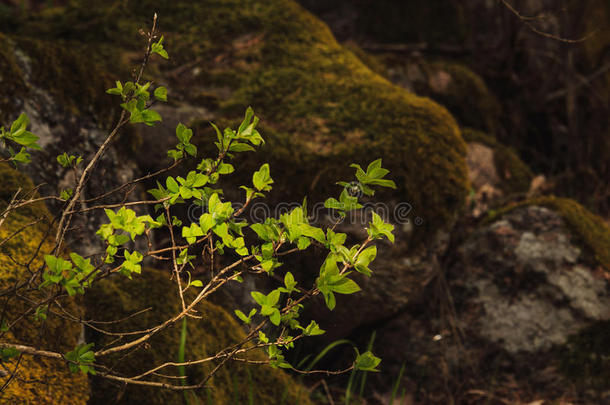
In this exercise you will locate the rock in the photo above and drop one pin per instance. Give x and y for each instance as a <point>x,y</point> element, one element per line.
<point>523,298</point>
<point>495,164</point>
<point>481,167</point>
<point>63,94</point>
<point>529,279</point>
<point>120,297</point>
<point>452,84</point>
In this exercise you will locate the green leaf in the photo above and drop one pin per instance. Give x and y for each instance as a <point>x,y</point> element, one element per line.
<point>262,231</point>
<point>275,318</point>
<point>225,168</point>
<point>378,228</point>
<point>313,329</point>
<point>66,194</point>
<point>241,147</point>
<point>273,297</point>
<point>303,243</point>
<point>196,283</point>
<point>242,316</point>
<point>149,117</point>
<point>171,185</point>
<point>289,282</point>
<point>367,362</point>
<point>345,286</point>
<point>184,133</point>
<point>262,179</point>
<point>364,259</point>
<point>261,299</point>
<point>161,93</point>
<point>20,123</point>
<point>22,156</point>
<point>81,359</point>
<point>247,120</point>
<point>157,48</point>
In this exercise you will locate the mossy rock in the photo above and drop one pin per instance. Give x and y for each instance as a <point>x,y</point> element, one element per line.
<point>76,85</point>
<point>591,231</point>
<point>41,380</point>
<point>463,92</point>
<point>120,297</point>
<point>515,174</point>
<point>326,109</point>
<point>373,62</point>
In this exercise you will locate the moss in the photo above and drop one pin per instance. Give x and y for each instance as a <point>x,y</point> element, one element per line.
<point>11,81</point>
<point>515,174</point>
<point>41,380</point>
<point>591,231</point>
<point>11,181</point>
<point>120,297</point>
<point>371,61</point>
<point>67,74</point>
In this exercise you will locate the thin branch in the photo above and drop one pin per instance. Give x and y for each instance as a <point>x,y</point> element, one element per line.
<point>526,20</point>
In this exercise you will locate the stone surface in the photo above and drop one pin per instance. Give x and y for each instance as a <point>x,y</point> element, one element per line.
<point>530,282</point>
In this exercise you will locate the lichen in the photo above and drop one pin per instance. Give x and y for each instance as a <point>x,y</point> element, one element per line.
<point>40,380</point>
<point>590,231</point>
<point>515,174</point>
<point>119,297</point>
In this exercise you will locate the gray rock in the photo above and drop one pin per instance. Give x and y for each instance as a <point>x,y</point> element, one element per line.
<point>530,281</point>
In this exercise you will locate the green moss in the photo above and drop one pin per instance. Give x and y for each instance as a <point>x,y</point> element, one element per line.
<point>11,181</point>
<point>515,174</point>
<point>11,82</point>
<point>67,74</point>
<point>41,380</point>
<point>120,297</point>
<point>591,231</point>
<point>371,61</point>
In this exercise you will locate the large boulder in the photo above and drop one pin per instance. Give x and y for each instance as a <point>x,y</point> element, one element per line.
<point>322,107</point>
<point>524,298</point>
<point>490,162</point>
<point>532,281</point>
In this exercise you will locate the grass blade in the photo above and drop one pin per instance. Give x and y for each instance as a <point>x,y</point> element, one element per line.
<point>397,384</point>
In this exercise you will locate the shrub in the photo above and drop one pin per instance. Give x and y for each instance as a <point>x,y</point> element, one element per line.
<point>52,279</point>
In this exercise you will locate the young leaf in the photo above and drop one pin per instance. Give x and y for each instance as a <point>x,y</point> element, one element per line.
<point>367,362</point>
<point>161,93</point>
<point>157,47</point>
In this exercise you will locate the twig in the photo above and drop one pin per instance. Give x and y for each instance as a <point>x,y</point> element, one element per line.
<point>526,20</point>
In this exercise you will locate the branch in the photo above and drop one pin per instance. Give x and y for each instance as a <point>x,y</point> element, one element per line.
<point>526,20</point>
